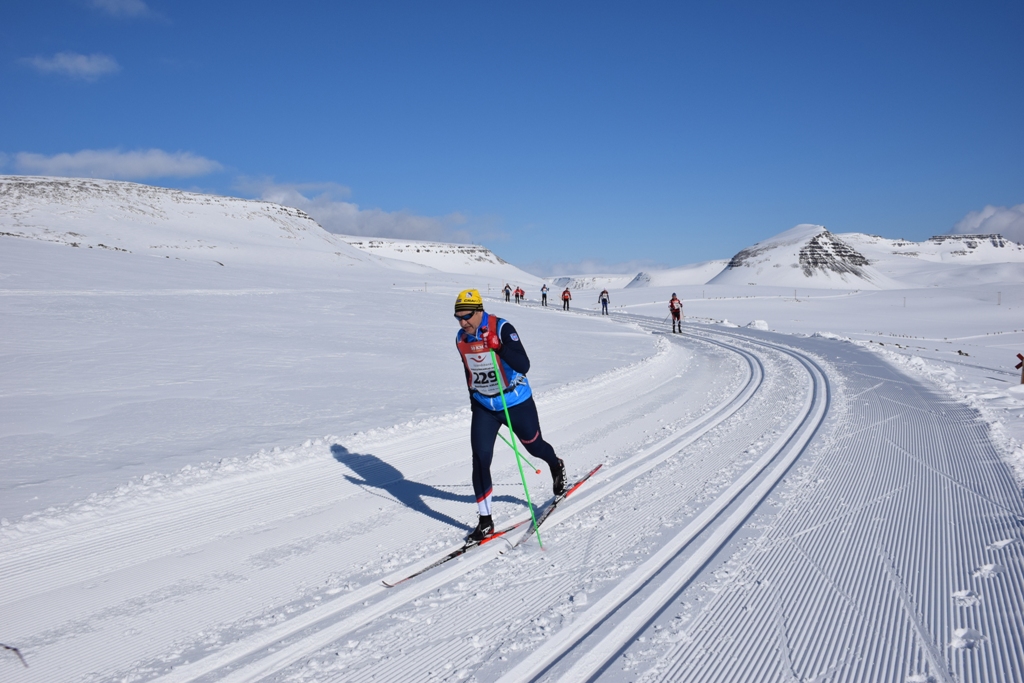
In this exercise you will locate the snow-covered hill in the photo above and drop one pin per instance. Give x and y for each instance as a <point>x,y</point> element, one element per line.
<point>804,256</point>
<point>467,259</point>
<point>596,282</point>
<point>811,256</point>
<point>693,274</point>
<point>154,221</point>
<point>943,259</point>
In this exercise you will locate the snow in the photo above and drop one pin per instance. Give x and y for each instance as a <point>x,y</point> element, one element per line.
<point>694,274</point>
<point>465,259</point>
<point>595,282</point>
<point>209,469</point>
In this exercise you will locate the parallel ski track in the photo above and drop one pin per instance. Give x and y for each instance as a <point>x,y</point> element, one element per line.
<point>856,578</point>
<point>780,457</point>
<point>278,647</point>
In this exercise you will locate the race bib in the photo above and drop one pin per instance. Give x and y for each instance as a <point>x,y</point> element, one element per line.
<point>483,378</point>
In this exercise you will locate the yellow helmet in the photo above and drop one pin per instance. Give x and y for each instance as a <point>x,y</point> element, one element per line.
<point>469,300</point>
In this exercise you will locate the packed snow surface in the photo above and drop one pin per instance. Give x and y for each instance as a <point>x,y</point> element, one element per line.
<point>210,469</point>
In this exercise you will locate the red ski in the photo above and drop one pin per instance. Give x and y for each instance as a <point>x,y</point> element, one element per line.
<point>558,499</point>
<point>466,547</point>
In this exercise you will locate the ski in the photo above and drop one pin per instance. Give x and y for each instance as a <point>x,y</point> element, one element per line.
<point>469,545</point>
<point>558,499</point>
<point>462,550</point>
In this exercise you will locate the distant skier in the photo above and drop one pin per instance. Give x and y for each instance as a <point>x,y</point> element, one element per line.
<point>480,334</point>
<point>605,299</point>
<point>508,292</point>
<point>566,298</point>
<point>544,295</point>
<point>675,307</point>
<point>520,294</point>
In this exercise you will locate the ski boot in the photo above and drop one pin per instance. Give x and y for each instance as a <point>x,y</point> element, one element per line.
<point>484,528</point>
<point>558,478</point>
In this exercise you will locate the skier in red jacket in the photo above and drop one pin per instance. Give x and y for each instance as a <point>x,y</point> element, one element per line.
<point>675,307</point>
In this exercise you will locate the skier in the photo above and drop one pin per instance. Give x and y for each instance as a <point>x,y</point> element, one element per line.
<point>508,292</point>
<point>544,295</point>
<point>675,306</point>
<point>605,299</point>
<point>520,294</point>
<point>480,334</point>
<point>566,297</point>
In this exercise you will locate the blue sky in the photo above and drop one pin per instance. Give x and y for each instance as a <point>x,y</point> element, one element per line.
<point>559,134</point>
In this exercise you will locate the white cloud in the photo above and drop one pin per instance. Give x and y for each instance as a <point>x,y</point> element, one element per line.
<point>117,165</point>
<point>1006,221</point>
<point>86,67</point>
<point>323,201</point>
<point>122,8</point>
<point>591,267</point>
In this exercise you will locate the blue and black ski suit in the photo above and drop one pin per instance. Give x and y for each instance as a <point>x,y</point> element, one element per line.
<point>485,390</point>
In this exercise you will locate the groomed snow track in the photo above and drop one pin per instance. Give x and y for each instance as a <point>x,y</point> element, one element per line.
<point>771,509</point>
<point>279,648</point>
<point>718,505</point>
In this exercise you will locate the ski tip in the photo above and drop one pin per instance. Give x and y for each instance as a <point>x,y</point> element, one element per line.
<point>538,471</point>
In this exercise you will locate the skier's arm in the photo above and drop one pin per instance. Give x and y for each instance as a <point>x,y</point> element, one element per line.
<point>512,351</point>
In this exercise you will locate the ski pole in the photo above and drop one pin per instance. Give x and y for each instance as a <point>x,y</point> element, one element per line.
<point>519,462</point>
<point>532,466</point>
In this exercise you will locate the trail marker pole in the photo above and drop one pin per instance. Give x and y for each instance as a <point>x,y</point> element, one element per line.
<point>1020,366</point>
<point>999,298</point>
<point>519,462</point>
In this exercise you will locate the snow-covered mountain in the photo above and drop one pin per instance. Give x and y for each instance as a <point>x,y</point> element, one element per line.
<point>155,221</point>
<point>811,256</point>
<point>804,256</point>
<point>467,259</point>
<point>943,259</point>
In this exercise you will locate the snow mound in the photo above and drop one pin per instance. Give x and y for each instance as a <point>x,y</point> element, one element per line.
<point>758,325</point>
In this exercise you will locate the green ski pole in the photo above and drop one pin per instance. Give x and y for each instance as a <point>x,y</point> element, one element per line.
<point>525,459</point>
<point>519,462</point>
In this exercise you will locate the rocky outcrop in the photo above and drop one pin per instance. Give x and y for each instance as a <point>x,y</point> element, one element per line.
<point>828,253</point>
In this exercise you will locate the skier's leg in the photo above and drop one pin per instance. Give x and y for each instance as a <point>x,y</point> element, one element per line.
<point>482,433</point>
<point>526,425</point>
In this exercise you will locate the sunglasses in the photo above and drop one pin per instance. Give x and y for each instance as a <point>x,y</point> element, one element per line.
<point>465,317</point>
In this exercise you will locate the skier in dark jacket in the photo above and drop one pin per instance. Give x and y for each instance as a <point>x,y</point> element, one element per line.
<point>508,292</point>
<point>482,333</point>
<point>544,295</point>
<point>605,299</point>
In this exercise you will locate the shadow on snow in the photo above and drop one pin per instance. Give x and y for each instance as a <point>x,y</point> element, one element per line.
<point>375,473</point>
